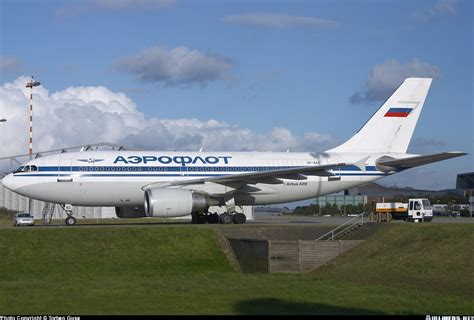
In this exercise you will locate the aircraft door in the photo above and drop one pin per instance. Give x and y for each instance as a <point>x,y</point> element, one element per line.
<point>65,170</point>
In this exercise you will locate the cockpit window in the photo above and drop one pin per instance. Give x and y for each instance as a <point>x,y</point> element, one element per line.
<point>26,169</point>
<point>20,169</point>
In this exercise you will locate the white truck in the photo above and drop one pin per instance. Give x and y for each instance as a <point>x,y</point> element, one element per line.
<point>415,210</point>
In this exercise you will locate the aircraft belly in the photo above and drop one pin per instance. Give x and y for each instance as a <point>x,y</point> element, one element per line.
<point>87,194</point>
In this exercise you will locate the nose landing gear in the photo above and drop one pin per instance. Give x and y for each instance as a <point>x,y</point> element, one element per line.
<point>70,220</point>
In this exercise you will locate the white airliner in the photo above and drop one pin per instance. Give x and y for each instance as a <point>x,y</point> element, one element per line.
<point>172,184</point>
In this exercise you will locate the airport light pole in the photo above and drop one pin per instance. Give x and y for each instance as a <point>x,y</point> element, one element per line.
<point>33,83</point>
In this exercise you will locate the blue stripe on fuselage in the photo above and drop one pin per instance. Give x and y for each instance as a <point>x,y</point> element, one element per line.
<point>184,171</point>
<point>169,174</point>
<point>183,168</point>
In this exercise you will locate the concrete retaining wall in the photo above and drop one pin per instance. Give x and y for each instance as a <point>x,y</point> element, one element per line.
<point>287,256</point>
<point>305,256</point>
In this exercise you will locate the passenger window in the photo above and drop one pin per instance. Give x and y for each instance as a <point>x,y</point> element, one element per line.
<point>411,205</point>
<point>417,205</point>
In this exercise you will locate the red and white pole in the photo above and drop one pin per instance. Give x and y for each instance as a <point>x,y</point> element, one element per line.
<point>30,85</point>
<point>31,123</point>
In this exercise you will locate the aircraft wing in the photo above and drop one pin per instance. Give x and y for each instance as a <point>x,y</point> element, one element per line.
<point>416,161</point>
<point>270,177</point>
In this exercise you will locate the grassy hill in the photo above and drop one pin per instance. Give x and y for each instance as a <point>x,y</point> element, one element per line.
<point>432,257</point>
<point>182,270</point>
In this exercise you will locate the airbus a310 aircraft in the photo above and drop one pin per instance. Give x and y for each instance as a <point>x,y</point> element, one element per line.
<point>172,184</point>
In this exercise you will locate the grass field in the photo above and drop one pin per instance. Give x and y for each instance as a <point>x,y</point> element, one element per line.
<point>440,258</point>
<point>182,270</point>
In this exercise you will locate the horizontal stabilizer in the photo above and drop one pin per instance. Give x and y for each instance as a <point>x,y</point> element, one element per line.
<point>416,161</point>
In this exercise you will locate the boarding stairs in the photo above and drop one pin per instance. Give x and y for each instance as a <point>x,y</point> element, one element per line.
<point>48,211</point>
<point>345,228</point>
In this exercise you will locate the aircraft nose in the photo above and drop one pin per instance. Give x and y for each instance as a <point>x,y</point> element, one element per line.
<point>8,182</point>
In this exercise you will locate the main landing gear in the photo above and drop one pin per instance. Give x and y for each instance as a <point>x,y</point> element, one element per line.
<point>214,218</point>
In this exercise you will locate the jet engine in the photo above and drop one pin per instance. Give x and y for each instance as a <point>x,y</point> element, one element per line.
<point>130,212</point>
<point>165,202</point>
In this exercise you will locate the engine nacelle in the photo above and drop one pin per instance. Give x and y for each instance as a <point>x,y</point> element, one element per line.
<point>130,212</point>
<point>164,202</point>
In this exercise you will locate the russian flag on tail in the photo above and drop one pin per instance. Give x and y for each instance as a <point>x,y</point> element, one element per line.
<point>398,112</point>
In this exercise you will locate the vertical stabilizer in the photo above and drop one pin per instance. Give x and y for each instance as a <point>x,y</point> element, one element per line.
<point>390,129</point>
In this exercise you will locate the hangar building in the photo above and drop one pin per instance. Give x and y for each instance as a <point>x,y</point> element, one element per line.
<point>465,181</point>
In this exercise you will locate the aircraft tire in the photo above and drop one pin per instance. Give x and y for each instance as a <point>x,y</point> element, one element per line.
<point>213,218</point>
<point>70,221</point>
<point>239,218</point>
<point>202,219</point>
<point>225,218</point>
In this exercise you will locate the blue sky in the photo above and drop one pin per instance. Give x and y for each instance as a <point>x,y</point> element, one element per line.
<point>257,65</point>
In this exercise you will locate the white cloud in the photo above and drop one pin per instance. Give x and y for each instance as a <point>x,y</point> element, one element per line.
<point>191,134</point>
<point>278,20</point>
<point>439,9</point>
<point>73,116</point>
<point>84,115</point>
<point>386,77</point>
<point>9,63</point>
<point>177,66</point>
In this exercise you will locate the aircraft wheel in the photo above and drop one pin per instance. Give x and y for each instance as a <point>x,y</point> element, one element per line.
<point>202,219</point>
<point>70,221</point>
<point>213,218</point>
<point>225,218</point>
<point>239,218</point>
